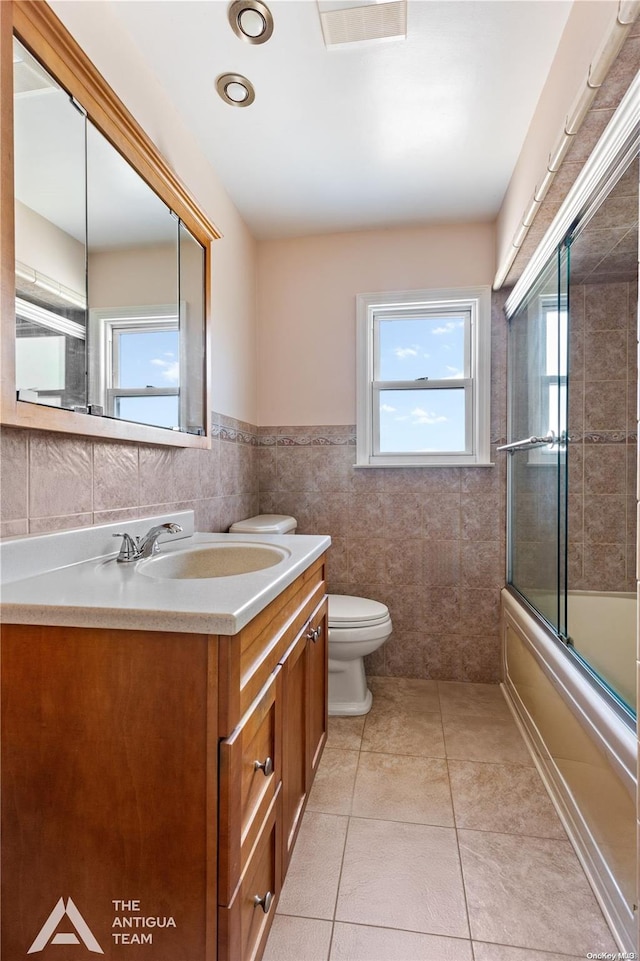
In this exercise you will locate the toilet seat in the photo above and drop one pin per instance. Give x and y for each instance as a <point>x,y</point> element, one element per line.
<point>346,611</point>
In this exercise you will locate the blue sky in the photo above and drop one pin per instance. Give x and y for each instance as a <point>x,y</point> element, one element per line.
<point>150,359</point>
<point>422,420</point>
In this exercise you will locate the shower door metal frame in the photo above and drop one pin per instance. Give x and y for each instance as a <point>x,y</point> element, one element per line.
<point>553,438</point>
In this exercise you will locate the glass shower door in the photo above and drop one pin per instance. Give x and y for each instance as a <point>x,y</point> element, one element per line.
<point>537,451</point>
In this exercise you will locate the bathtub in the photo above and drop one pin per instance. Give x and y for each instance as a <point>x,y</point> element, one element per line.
<point>592,617</point>
<point>585,748</point>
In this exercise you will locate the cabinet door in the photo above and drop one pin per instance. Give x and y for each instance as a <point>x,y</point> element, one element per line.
<point>109,784</point>
<point>318,689</point>
<point>304,720</point>
<point>295,683</point>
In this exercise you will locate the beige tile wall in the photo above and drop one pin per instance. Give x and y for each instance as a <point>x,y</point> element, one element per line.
<point>428,542</point>
<point>54,481</point>
<point>603,430</point>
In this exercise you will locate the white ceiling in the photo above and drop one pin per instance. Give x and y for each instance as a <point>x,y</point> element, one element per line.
<point>422,130</point>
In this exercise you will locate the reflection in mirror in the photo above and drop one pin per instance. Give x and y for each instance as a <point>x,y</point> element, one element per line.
<point>110,284</point>
<point>50,236</point>
<point>134,335</point>
<point>192,309</point>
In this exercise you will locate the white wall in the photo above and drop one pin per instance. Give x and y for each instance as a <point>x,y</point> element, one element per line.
<point>131,277</point>
<point>233,329</point>
<point>49,250</point>
<point>306,307</point>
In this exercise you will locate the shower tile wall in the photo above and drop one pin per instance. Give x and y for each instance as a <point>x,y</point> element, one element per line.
<point>428,542</point>
<point>603,430</point>
<point>56,481</point>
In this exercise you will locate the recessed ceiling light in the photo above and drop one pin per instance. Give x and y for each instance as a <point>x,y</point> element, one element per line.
<point>235,89</point>
<point>251,20</point>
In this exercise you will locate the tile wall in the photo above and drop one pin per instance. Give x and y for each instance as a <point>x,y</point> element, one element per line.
<point>55,481</point>
<point>603,430</point>
<point>428,542</point>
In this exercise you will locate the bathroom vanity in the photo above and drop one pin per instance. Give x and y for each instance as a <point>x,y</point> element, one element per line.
<point>154,778</point>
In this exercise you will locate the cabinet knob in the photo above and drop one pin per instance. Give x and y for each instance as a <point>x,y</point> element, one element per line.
<point>314,633</point>
<point>266,767</point>
<point>265,902</point>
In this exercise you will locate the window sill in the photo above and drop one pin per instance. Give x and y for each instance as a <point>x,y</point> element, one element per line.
<point>439,463</point>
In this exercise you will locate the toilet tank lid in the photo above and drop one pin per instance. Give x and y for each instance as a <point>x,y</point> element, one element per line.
<point>345,610</point>
<point>265,524</point>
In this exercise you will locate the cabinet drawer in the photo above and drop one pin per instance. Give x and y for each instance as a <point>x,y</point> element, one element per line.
<point>250,771</point>
<point>243,927</point>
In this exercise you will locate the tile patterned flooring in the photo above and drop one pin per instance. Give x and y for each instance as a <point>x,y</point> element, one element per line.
<point>428,836</point>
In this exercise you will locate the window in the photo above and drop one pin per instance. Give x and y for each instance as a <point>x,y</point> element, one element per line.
<point>555,377</point>
<point>549,391</point>
<point>424,360</point>
<point>141,351</point>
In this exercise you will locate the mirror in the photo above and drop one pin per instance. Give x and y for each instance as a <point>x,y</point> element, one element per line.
<point>100,305</point>
<point>50,232</point>
<point>111,284</point>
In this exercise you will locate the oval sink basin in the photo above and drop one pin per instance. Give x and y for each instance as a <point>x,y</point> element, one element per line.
<point>214,560</point>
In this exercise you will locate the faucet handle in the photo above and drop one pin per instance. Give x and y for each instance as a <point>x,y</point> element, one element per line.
<point>128,548</point>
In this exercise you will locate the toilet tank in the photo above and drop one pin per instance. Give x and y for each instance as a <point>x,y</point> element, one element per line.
<point>265,524</point>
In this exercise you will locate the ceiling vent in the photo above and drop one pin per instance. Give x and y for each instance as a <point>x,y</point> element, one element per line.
<point>363,22</point>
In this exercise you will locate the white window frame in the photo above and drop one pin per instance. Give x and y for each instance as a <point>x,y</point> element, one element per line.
<point>543,388</point>
<point>473,301</point>
<point>105,326</point>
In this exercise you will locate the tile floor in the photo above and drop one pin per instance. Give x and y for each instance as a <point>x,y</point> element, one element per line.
<point>428,836</point>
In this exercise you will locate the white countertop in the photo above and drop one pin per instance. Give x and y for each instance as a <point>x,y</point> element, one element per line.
<point>60,579</point>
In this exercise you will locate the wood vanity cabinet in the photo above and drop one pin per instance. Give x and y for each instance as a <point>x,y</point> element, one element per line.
<point>155,781</point>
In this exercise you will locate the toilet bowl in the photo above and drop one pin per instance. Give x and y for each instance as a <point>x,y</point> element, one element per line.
<point>357,626</point>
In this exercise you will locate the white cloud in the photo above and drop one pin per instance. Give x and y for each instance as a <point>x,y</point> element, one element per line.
<point>448,327</point>
<point>170,368</point>
<point>427,417</point>
<point>454,373</point>
<point>387,409</point>
<point>403,352</point>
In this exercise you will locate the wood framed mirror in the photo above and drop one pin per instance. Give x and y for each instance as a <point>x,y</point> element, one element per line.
<point>112,343</point>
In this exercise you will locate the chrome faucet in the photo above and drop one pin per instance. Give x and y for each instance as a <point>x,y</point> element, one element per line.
<point>135,548</point>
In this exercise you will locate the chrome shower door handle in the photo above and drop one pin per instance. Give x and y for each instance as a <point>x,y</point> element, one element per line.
<point>529,443</point>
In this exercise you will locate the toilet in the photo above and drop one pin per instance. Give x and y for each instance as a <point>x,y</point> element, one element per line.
<point>357,626</point>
